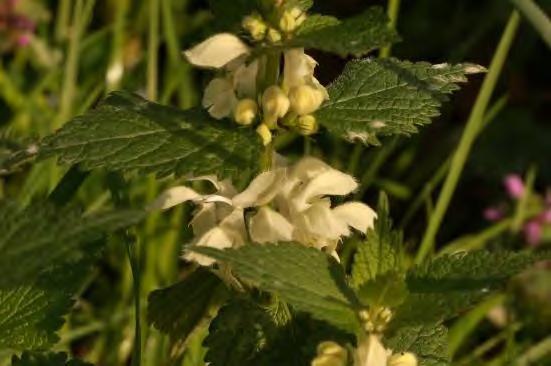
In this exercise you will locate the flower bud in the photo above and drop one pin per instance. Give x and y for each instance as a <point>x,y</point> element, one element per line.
<point>305,99</point>
<point>307,125</point>
<point>264,133</point>
<point>328,360</point>
<point>273,35</point>
<point>291,19</point>
<point>245,111</point>
<point>255,26</point>
<point>275,103</point>
<point>331,348</point>
<point>402,359</point>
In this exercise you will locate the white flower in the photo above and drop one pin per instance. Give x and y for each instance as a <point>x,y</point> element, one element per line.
<point>299,70</point>
<point>226,51</point>
<point>302,201</point>
<point>219,98</point>
<point>371,352</point>
<point>216,223</point>
<point>245,111</point>
<point>275,104</point>
<point>217,51</point>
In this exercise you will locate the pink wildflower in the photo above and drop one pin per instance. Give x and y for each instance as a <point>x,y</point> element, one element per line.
<point>514,185</point>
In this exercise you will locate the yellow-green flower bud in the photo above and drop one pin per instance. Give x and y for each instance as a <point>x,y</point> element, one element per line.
<point>402,359</point>
<point>305,99</point>
<point>264,133</point>
<point>331,348</point>
<point>328,360</point>
<point>275,104</point>
<point>273,35</point>
<point>255,26</point>
<point>307,125</point>
<point>291,19</point>
<point>245,111</point>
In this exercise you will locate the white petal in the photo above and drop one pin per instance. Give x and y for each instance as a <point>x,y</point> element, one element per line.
<point>216,198</point>
<point>309,167</point>
<point>234,226</point>
<point>329,183</point>
<point>321,221</point>
<point>371,352</point>
<point>174,196</point>
<point>224,188</point>
<point>356,214</point>
<point>214,89</point>
<point>204,219</point>
<point>261,190</point>
<point>214,238</point>
<point>268,226</point>
<point>216,51</point>
<point>298,68</point>
<point>244,80</point>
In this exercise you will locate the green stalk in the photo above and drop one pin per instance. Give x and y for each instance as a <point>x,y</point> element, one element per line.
<point>62,19</point>
<point>393,10</point>
<point>520,212</point>
<point>119,194</point>
<point>531,11</point>
<point>467,139</point>
<point>380,158</point>
<point>115,70</point>
<point>152,50</point>
<point>442,170</point>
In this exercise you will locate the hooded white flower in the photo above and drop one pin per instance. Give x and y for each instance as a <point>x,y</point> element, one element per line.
<point>371,352</point>
<point>226,51</point>
<point>217,51</point>
<point>298,72</point>
<point>301,205</point>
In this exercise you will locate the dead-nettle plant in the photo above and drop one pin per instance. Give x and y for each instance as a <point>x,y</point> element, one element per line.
<point>268,231</point>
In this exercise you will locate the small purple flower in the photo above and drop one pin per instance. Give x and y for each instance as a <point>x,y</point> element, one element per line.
<point>546,216</point>
<point>514,185</point>
<point>532,232</point>
<point>24,40</point>
<point>493,214</point>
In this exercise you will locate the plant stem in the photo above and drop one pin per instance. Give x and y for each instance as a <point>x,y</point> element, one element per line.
<point>62,18</point>
<point>474,123</point>
<point>531,11</point>
<point>381,156</point>
<point>520,212</point>
<point>152,49</point>
<point>393,10</point>
<point>68,186</point>
<point>115,71</point>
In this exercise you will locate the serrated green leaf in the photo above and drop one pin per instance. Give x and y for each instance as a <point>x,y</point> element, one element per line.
<point>31,314</point>
<point>306,278</point>
<point>353,36</point>
<point>452,284</point>
<point>380,252</point>
<point>46,359</point>
<point>316,22</point>
<point>176,310</point>
<point>427,342</point>
<point>471,270</point>
<point>240,331</point>
<point>126,132</point>
<point>45,256</point>
<point>388,290</point>
<point>380,97</point>
<point>40,236</point>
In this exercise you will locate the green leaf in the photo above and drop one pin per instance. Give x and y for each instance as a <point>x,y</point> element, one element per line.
<point>427,342</point>
<point>306,278</point>
<point>452,284</point>
<point>238,334</point>
<point>176,310</point>
<point>354,36</point>
<point>45,256</point>
<point>471,270</point>
<point>380,252</point>
<point>230,13</point>
<point>42,235</point>
<point>388,290</point>
<point>46,359</point>
<point>126,132</point>
<point>380,97</point>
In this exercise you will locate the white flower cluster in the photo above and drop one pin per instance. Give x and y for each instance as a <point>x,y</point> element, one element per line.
<point>288,101</point>
<point>288,203</point>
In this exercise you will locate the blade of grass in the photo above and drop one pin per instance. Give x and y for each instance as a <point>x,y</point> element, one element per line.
<point>474,123</point>
<point>393,9</point>
<point>531,11</point>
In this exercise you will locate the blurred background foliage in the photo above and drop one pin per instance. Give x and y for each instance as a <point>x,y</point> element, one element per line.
<point>59,58</point>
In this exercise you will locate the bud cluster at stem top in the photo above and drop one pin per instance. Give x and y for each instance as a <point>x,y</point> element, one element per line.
<point>253,88</point>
